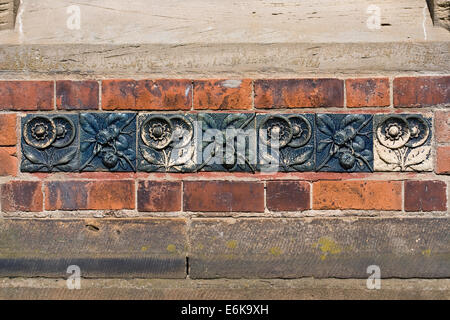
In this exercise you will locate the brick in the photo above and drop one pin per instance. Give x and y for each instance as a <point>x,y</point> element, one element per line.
<point>357,195</point>
<point>22,196</point>
<point>223,196</point>
<point>319,247</point>
<point>89,195</point>
<point>165,94</point>
<point>223,94</point>
<point>288,195</point>
<point>298,93</point>
<point>26,95</point>
<point>443,160</point>
<point>442,126</point>
<point>159,196</point>
<point>8,136</point>
<point>372,92</point>
<point>77,95</point>
<point>8,161</point>
<point>102,248</point>
<point>425,196</point>
<point>421,91</point>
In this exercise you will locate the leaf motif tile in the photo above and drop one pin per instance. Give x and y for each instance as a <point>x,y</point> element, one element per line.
<point>402,143</point>
<point>286,142</point>
<point>166,143</point>
<point>50,143</point>
<point>108,142</point>
<point>344,142</point>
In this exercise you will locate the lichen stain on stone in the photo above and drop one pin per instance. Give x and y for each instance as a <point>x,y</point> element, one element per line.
<point>144,248</point>
<point>426,252</point>
<point>171,248</point>
<point>231,83</point>
<point>232,244</point>
<point>327,246</point>
<point>275,251</point>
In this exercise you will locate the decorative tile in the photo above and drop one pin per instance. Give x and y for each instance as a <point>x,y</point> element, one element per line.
<point>402,143</point>
<point>50,143</point>
<point>285,142</point>
<point>227,142</point>
<point>108,141</point>
<point>344,142</point>
<point>166,143</point>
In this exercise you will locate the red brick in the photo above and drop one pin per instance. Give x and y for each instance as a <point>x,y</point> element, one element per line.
<point>159,196</point>
<point>372,92</point>
<point>425,196</point>
<point>90,195</point>
<point>443,160</point>
<point>22,196</point>
<point>223,196</point>
<point>223,94</point>
<point>299,93</point>
<point>8,135</point>
<point>8,161</point>
<point>165,94</point>
<point>26,95</point>
<point>442,126</point>
<point>77,95</point>
<point>288,196</point>
<point>421,91</point>
<point>357,195</point>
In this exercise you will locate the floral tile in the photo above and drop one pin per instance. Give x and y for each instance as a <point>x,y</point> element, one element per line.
<point>286,142</point>
<point>50,143</point>
<point>166,143</point>
<point>402,143</point>
<point>344,142</point>
<point>227,142</point>
<point>108,142</point>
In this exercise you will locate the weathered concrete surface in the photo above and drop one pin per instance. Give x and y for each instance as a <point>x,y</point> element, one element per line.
<point>125,248</point>
<point>277,289</point>
<point>319,247</point>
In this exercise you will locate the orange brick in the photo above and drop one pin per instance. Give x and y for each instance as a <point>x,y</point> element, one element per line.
<point>421,91</point>
<point>89,195</point>
<point>22,196</point>
<point>443,160</point>
<point>77,95</point>
<point>26,95</point>
<point>8,161</point>
<point>8,135</point>
<point>357,195</point>
<point>165,94</point>
<point>442,126</point>
<point>298,93</point>
<point>373,92</point>
<point>223,94</point>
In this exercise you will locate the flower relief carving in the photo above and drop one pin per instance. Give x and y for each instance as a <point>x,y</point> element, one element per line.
<point>108,142</point>
<point>286,142</point>
<point>344,143</point>
<point>49,143</point>
<point>166,143</point>
<point>403,143</point>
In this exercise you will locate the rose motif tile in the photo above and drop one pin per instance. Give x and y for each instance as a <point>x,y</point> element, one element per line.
<point>50,143</point>
<point>108,142</point>
<point>166,143</point>
<point>344,142</point>
<point>226,142</point>
<point>285,142</point>
<point>402,143</point>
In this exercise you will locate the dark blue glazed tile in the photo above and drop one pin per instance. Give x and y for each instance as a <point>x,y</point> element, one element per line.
<point>227,142</point>
<point>108,142</point>
<point>294,150</point>
<point>344,142</point>
<point>166,143</point>
<point>50,143</point>
<point>402,142</point>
